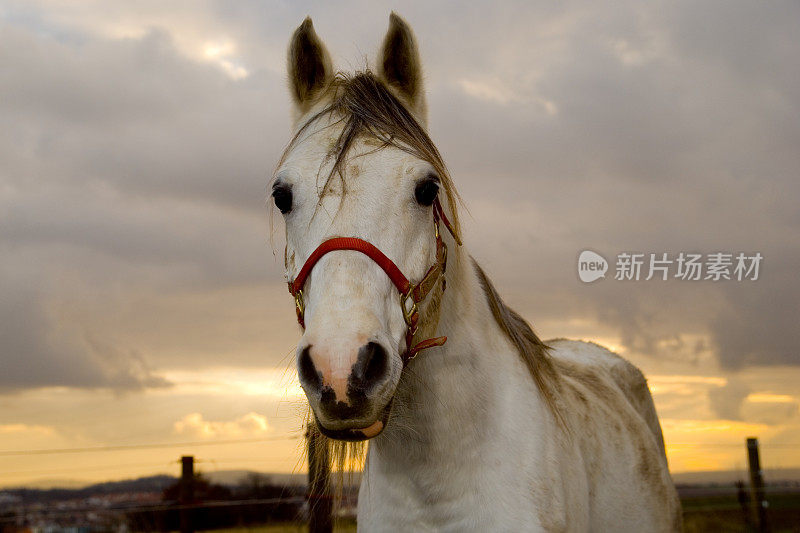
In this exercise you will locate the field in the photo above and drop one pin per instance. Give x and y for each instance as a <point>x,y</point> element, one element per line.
<point>723,514</point>
<point>720,514</point>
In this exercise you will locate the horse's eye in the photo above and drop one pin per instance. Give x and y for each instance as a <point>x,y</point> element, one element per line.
<point>282,196</point>
<point>426,191</point>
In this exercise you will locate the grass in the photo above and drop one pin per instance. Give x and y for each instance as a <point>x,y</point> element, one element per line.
<point>341,526</point>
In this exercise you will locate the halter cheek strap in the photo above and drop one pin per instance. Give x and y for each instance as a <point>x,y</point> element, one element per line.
<point>410,294</point>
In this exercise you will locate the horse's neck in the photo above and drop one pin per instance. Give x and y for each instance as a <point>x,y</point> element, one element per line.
<point>446,400</point>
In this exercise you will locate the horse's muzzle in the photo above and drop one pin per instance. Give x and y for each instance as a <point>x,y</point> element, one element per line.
<point>348,404</point>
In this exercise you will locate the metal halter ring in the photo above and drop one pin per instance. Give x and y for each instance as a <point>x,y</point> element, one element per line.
<point>298,302</point>
<point>408,314</point>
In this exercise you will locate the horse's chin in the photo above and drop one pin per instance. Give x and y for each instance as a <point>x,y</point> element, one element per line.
<point>358,434</point>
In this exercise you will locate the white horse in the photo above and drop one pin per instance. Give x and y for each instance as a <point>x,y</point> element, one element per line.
<point>492,430</point>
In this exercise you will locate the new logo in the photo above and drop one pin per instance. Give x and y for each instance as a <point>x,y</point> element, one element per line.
<point>591,266</point>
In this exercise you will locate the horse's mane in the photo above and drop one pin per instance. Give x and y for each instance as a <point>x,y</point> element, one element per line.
<point>366,106</point>
<point>531,349</point>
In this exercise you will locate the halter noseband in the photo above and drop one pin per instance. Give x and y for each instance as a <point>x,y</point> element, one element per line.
<point>410,294</point>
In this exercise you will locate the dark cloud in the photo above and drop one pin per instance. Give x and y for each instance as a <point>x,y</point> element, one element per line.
<point>36,353</point>
<point>771,413</point>
<point>136,116</point>
<point>726,401</point>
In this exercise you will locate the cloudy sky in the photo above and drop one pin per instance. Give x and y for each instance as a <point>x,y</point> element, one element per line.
<point>142,298</point>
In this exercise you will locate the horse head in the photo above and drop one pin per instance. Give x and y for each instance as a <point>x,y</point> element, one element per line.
<point>361,188</point>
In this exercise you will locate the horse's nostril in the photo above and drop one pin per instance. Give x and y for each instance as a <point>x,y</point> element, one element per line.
<point>308,372</point>
<point>371,366</point>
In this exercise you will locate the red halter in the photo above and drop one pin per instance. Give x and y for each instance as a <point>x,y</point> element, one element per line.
<point>408,291</point>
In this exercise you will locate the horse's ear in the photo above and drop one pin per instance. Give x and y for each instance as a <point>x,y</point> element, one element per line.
<point>309,65</point>
<point>399,64</point>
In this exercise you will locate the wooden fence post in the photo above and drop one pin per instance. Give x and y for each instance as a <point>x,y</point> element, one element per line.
<point>186,497</point>
<point>757,486</point>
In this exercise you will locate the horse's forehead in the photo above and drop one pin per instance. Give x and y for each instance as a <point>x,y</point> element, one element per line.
<point>371,158</point>
<point>367,159</point>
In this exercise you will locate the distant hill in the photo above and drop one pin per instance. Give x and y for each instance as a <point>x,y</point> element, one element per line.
<point>62,488</point>
<point>237,477</point>
<point>51,483</point>
<point>143,484</point>
<point>771,475</point>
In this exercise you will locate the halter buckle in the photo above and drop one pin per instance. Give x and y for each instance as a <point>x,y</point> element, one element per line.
<point>298,302</point>
<point>408,313</point>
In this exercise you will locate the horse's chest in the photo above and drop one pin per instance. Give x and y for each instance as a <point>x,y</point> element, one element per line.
<point>454,499</point>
